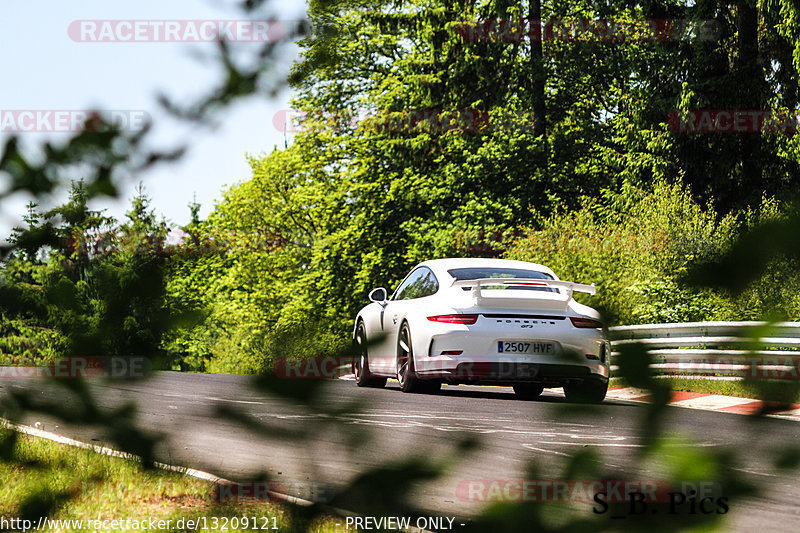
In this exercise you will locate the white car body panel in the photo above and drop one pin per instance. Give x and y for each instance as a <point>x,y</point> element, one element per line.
<point>566,353</point>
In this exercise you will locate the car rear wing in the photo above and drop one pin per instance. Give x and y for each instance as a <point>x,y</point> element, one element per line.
<point>569,287</point>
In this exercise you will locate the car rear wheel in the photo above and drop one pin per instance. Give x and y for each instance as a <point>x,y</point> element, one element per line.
<point>586,392</point>
<point>406,374</point>
<point>364,377</point>
<point>527,391</point>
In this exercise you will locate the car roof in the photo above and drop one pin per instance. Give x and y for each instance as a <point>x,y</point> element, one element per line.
<point>441,266</point>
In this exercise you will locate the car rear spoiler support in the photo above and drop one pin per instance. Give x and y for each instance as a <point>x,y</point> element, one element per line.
<point>570,287</point>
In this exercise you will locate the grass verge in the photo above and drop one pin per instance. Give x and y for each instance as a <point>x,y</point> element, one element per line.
<point>65,483</point>
<point>782,391</point>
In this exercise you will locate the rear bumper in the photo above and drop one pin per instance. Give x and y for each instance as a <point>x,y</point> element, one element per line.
<point>577,355</point>
<point>547,374</point>
<point>509,372</point>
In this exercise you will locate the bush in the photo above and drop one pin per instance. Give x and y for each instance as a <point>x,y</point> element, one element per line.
<point>638,255</point>
<point>23,344</point>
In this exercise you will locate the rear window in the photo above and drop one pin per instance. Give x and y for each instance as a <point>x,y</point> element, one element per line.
<point>478,273</point>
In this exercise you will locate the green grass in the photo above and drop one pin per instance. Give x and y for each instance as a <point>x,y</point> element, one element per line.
<point>75,483</point>
<point>786,391</point>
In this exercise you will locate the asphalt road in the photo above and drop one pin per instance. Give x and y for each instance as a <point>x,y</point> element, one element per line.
<point>362,428</point>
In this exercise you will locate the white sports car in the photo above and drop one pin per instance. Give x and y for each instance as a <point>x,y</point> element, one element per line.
<point>483,321</point>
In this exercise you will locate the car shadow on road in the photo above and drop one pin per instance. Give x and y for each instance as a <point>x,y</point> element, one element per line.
<point>490,392</point>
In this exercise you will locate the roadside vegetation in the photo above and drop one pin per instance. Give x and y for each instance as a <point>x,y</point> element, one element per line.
<point>597,183</point>
<point>417,143</point>
<point>232,293</point>
<point>416,139</point>
<point>77,484</point>
<point>781,393</point>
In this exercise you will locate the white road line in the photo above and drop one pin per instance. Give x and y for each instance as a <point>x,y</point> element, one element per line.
<point>427,416</point>
<point>197,474</point>
<point>753,472</point>
<point>532,447</point>
<point>620,445</point>
<point>712,402</point>
<point>794,414</point>
<point>627,393</point>
<point>593,444</point>
<point>233,401</point>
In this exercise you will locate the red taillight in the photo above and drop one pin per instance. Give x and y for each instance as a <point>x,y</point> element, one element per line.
<point>581,322</point>
<point>452,352</point>
<point>454,319</point>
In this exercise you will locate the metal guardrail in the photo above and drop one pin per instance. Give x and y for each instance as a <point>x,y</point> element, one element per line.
<point>716,350</point>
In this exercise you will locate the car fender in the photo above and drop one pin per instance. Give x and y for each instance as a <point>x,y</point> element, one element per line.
<point>423,330</point>
<point>583,310</point>
<point>370,315</point>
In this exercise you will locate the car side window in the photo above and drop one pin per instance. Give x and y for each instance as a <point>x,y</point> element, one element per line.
<point>428,286</point>
<point>400,293</point>
<point>422,282</point>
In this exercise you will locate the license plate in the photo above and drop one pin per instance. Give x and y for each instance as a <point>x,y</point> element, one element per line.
<point>527,347</point>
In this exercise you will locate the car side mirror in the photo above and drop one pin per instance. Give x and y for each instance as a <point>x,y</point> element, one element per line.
<point>378,295</point>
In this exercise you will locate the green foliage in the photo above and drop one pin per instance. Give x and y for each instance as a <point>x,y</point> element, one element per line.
<point>416,141</point>
<point>89,286</point>
<point>639,251</point>
<point>287,257</point>
<point>21,343</point>
<point>257,296</point>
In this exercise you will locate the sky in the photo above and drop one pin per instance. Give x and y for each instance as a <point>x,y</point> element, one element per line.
<point>45,68</point>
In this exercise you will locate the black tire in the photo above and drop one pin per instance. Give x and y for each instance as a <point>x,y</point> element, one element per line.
<point>528,391</point>
<point>364,377</point>
<point>406,375</point>
<point>593,391</point>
